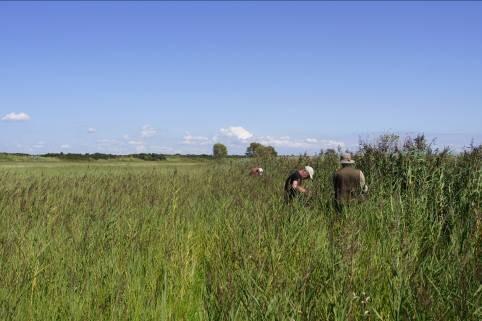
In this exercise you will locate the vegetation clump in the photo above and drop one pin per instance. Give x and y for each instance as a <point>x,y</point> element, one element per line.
<point>120,242</point>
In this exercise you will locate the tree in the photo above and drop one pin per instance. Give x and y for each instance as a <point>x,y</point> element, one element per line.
<point>330,152</point>
<point>259,150</point>
<point>219,151</point>
<point>252,149</point>
<point>269,151</point>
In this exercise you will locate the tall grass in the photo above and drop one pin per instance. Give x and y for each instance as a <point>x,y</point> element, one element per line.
<point>210,243</point>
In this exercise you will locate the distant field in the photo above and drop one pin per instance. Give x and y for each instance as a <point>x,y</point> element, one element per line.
<point>43,162</point>
<point>69,164</point>
<point>200,240</point>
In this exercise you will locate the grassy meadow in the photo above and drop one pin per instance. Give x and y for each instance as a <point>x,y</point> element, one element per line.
<point>201,240</point>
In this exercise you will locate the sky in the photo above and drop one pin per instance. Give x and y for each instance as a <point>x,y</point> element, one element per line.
<point>177,77</point>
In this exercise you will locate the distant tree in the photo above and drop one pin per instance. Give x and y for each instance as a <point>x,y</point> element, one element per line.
<point>269,151</point>
<point>219,151</point>
<point>252,149</point>
<point>330,151</point>
<point>259,150</point>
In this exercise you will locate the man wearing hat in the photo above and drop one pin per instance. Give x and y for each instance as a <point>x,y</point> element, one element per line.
<point>349,182</point>
<point>293,182</point>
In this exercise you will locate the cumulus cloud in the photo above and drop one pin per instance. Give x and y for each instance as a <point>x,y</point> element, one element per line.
<point>148,131</point>
<point>110,145</point>
<point>108,142</point>
<point>244,136</point>
<point>91,130</point>
<point>237,138</point>
<point>284,142</point>
<point>237,132</point>
<point>195,140</point>
<point>65,146</point>
<point>39,145</point>
<point>139,145</point>
<point>329,143</point>
<point>16,117</point>
<point>140,148</point>
<point>127,143</point>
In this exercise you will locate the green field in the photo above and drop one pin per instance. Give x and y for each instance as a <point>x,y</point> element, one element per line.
<point>200,240</point>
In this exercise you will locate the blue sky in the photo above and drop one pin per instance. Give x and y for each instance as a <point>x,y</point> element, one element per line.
<point>125,77</point>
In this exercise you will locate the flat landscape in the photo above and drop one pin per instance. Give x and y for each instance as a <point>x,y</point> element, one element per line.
<point>240,161</point>
<point>185,239</point>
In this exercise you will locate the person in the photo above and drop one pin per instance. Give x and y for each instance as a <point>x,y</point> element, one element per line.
<point>349,183</point>
<point>256,171</point>
<point>293,184</point>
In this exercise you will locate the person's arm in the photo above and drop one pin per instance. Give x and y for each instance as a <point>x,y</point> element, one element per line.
<point>363,186</point>
<point>297,186</point>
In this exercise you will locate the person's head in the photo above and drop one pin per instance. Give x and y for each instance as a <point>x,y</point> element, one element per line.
<point>346,160</point>
<point>256,171</point>
<point>307,172</point>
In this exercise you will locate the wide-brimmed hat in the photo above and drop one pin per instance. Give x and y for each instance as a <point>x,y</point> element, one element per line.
<point>310,171</point>
<point>346,159</point>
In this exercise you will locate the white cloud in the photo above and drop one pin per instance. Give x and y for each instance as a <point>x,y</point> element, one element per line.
<point>140,145</point>
<point>236,132</point>
<point>110,146</point>
<point>140,148</point>
<point>106,143</point>
<point>128,146</point>
<point>16,117</point>
<point>195,140</point>
<point>237,138</point>
<point>39,145</point>
<point>329,143</point>
<point>284,142</point>
<point>148,131</point>
<point>65,146</point>
<point>91,130</point>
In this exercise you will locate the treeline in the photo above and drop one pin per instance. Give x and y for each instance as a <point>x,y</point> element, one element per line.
<point>99,156</point>
<point>102,156</point>
<point>15,154</point>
